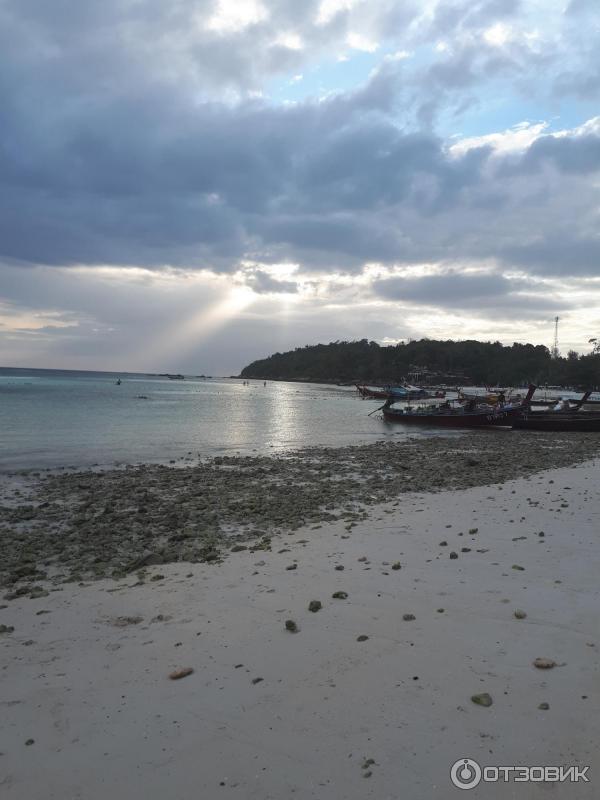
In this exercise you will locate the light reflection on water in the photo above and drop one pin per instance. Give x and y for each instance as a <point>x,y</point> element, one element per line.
<point>54,418</point>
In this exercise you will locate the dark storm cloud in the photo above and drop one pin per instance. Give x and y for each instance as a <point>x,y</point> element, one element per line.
<point>558,255</point>
<point>449,289</point>
<point>117,147</point>
<point>580,154</point>
<point>468,291</point>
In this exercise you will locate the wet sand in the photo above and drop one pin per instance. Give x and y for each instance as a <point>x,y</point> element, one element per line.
<point>85,672</point>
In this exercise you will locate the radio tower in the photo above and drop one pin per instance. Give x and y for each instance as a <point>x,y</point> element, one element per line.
<point>554,352</point>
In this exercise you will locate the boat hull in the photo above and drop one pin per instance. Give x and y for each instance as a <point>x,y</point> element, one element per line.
<point>554,422</point>
<point>466,420</point>
<point>365,391</point>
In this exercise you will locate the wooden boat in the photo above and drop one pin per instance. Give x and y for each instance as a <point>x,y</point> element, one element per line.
<point>450,419</point>
<point>491,399</point>
<point>370,391</point>
<point>585,403</point>
<point>591,405</point>
<point>572,418</point>
<point>470,415</point>
<point>396,392</point>
<point>585,422</point>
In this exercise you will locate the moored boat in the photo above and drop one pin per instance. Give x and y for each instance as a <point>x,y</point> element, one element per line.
<point>563,417</point>
<point>453,418</point>
<point>372,391</point>
<point>447,415</point>
<point>396,392</point>
<point>585,422</point>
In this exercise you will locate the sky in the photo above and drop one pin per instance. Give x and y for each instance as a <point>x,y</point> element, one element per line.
<point>194,184</point>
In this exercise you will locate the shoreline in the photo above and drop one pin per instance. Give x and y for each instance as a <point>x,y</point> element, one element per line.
<point>86,669</point>
<point>71,526</point>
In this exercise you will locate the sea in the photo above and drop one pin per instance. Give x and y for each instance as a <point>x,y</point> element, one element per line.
<point>56,418</point>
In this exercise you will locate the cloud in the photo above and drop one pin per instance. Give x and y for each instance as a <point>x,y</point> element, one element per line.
<point>557,253</point>
<point>447,289</point>
<point>119,143</point>
<point>263,283</point>
<point>143,137</point>
<point>476,292</point>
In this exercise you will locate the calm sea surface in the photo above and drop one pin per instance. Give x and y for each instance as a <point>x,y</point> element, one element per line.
<point>51,418</point>
<point>54,418</point>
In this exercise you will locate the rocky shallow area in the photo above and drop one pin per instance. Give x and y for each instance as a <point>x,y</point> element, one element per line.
<point>74,526</point>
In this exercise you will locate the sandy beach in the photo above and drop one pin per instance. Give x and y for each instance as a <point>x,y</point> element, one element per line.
<point>442,596</point>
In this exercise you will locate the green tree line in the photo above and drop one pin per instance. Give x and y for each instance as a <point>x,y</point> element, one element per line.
<point>430,361</point>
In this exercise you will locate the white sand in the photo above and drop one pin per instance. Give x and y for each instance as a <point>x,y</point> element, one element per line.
<point>108,724</point>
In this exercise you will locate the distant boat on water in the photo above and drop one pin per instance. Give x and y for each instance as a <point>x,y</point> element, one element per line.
<point>397,392</point>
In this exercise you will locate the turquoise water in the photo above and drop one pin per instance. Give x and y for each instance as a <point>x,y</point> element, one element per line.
<point>52,418</point>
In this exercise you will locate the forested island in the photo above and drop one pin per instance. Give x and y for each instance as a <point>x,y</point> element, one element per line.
<point>430,361</point>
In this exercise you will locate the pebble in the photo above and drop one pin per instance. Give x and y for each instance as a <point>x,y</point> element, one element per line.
<point>519,614</point>
<point>484,699</point>
<point>7,628</point>
<point>106,538</point>
<point>396,565</point>
<point>181,673</point>
<point>123,622</point>
<point>362,638</point>
<point>161,618</point>
<point>408,617</point>
<point>453,554</point>
<point>315,605</point>
<point>544,706</point>
<point>340,595</point>
<point>544,663</point>
<point>291,626</point>
<point>292,566</point>
<point>38,591</point>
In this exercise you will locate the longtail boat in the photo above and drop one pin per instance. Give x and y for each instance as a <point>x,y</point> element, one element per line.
<point>470,415</point>
<point>396,392</point>
<point>569,419</point>
<point>586,422</point>
<point>372,391</point>
<point>453,418</point>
